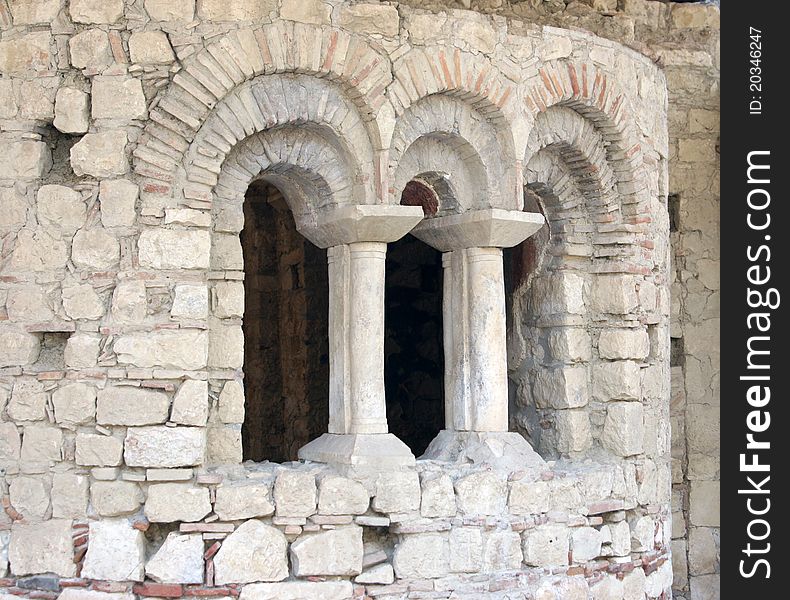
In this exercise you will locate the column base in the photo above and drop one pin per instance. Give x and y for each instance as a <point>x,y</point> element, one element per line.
<point>505,449</point>
<point>359,451</point>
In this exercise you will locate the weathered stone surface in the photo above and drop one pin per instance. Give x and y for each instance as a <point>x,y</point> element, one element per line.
<point>615,294</point>
<point>8,103</point>
<point>74,403</point>
<point>190,403</point>
<point>170,10</point>
<point>34,12</point>
<point>371,18</point>
<point>95,249</point>
<point>164,446</point>
<point>298,590</point>
<point>119,98</point>
<point>95,11</point>
<point>116,551</point>
<point>100,154</point>
<point>184,349</point>
<point>30,497</point>
<point>90,49</point>
<point>244,500</point>
<point>28,400</point>
<point>118,198</point>
<point>342,496</point>
<point>42,548</point>
<point>174,249</point>
<point>17,347</point>
<point>422,556</point>
<point>502,551</point>
<point>178,560</point>
<point>295,494</point>
<point>529,497</point>
<point>482,493</point>
<point>150,47</point>
<point>570,344</point>
<point>234,10</point>
<point>704,501</point>
<point>333,552</point>
<point>188,216</point>
<point>170,502</point>
<point>619,380</point>
<point>60,207</point>
<point>86,594</point>
<point>69,495</point>
<point>41,444</point>
<point>564,387</point>
<point>71,111</point>
<point>82,350</point>
<point>231,402</point>
<point>228,299</point>
<point>30,52</point>
<point>254,552</point>
<point>438,496</point>
<point>546,545</point>
<point>466,549</point>
<point>223,444</point>
<point>397,492</point>
<point>382,574</point>
<point>623,430</point>
<point>573,431</point>
<point>226,350</point>
<point>585,544</point>
<point>190,302</point>
<point>306,11</point>
<point>115,498</point>
<point>98,450</point>
<point>10,444</point>
<point>124,405</point>
<point>82,302</point>
<point>14,213</point>
<point>28,303</point>
<point>25,159</point>
<point>38,250</point>
<point>617,344</point>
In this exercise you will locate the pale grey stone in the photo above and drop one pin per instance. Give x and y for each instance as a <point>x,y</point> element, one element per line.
<point>17,347</point>
<point>60,207</point>
<point>116,551</point>
<point>178,560</point>
<point>72,114</point>
<point>74,403</point>
<point>333,552</point>
<point>82,350</point>
<point>298,590</point>
<point>41,444</point>
<point>95,249</point>
<point>98,450</point>
<point>502,551</point>
<point>30,497</point>
<point>119,98</point>
<point>174,249</point>
<point>28,303</point>
<point>422,556</point>
<point>466,549</point>
<point>185,349</point>
<point>397,492</point>
<point>190,302</point>
<point>529,497</point>
<point>342,496</point>
<point>481,493</point>
<point>38,250</point>
<point>546,546</point>
<point>10,444</point>
<point>585,544</point>
<point>190,403</point>
<point>170,10</point>
<point>150,47</point>
<point>243,500</point>
<point>82,302</point>
<point>116,498</point>
<point>95,11</point>
<point>623,430</point>
<point>171,502</point>
<point>69,495</point>
<point>228,299</point>
<point>101,154</point>
<point>161,447</point>
<point>231,402</point>
<point>382,574</point>
<point>129,301</point>
<point>42,548</point>
<point>118,199</point>
<point>295,493</point>
<point>254,552</point>
<point>90,49</point>
<point>28,400</point>
<point>438,496</point>
<point>125,405</point>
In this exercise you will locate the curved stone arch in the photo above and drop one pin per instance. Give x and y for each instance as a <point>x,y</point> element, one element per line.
<point>178,113</point>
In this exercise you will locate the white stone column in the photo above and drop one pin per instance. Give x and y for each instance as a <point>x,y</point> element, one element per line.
<point>475,378</point>
<point>356,238</point>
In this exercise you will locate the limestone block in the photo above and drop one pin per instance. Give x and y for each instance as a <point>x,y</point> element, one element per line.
<point>86,594</point>
<point>342,496</point>
<point>74,403</point>
<point>69,495</point>
<point>223,445</point>
<point>438,496</point>
<point>174,249</point>
<point>183,349</point>
<point>695,16</point>
<point>226,253</point>
<point>295,493</point>
<point>235,10</point>
<point>39,95</point>
<point>116,498</point>
<point>28,400</point>
<point>306,11</point>
<point>621,538</point>
<point>573,431</point>
<point>634,585</point>
<point>529,497</point>
<point>29,52</point>
<point>150,48</point>
<point>82,302</point>
<point>704,508</point>
<point>118,199</point>
<point>98,450</point>
<point>189,217</point>
<point>30,497</point>
<point>298,590</point>
<point>95,11</point>
<point>90,49</point>
<point>14,213</point>
<point>608,588</point>
<point>116,551</point>
<point>614,294</point>
<point>41,444</point>
<point>397,492</point>
<point>422,556</point>
<point>569,344</point>
<point>466,549</point>
<point>17,347</point>
<point>10,445</point>
<point>71,111</point>
<point>482,493</point>
<point>546,546</point>
<point>617,344</point>
<point>42,548</point>
<point>643,535</point>
<point>124,405</point>
<point>623,430</point>
<point>382,574</point>
<point>129,301</point>
<point>660,581</point>
<point>331,552</point>
<point>254,552</point>
<point>60,207</point>
<point>562,293</point>
<point>190,302</point>
<point>619,380</point>
<point>178,560</point>
<point>379,19</point>
<point>502,551</point>
<point>703,551</point>
<point>34,12</point>
<point>231,402</point>
<point>585,544</point>
<point>28,303</point>
<point>101,154</point>
<point>25,159</point>
<point>170,502</point>
<point>95,249</point>
<point>37,250</point>
<point>245,500</point>
<point>563,387</point>
<point>190,404</point>
<point>228,299</point>
<point>163,447</point>
<point>82,350</point>
<point>120,98</point>
<point>8,104</point>
<point>170,10</point>
<point>226,350</point>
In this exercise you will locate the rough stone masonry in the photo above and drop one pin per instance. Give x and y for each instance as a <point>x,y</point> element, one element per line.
<point>131,131</point>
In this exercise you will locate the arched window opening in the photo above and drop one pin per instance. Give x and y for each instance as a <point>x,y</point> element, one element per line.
<point>286,358</point>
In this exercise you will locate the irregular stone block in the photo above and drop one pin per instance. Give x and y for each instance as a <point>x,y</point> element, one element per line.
<point>246,500</point>
<point>95,11</point>
<point>100,155</point>
<point>546,546</point>
<point>34,12</point>
<point>82,302</point>
<point>616,344</point>
<point>226,350</point>
<point>438,496</point>
<point>74,403</point>
<point>124,405</point>
<point>190,404</point>
<point>190,302</point>
<point>502,551</point>
<point>620,380</point>
<point>86,594</point>
<point>41,444</point>
<point>174,249</point>
<point>69,495</point>
<point>118,199</point>
<point>342,496</point>
<point>482,493</point>
<point>118,98</point>
<point>115,498</point>
<point>162,447</point>
<point>315,12</point>
<point>28,303</point>
<point>129,302</point>
<point>171,10</point>
<point>235,10</point>
<point>573,431</point>
<point>529,497</point>
<point>623,429</point>
<point>98,450</point>
<point>397,492</point>
<point>371,18</point>
<point>42,548</point>
<point>614,294</point>
<point>178,560</point>
<point>30,497</point>
<point>704,503</point>
<point>95,249</point>
<point>116,551</point>
<point>10,445</point>
<point>14,213</point>
<point>585,544</point>
<point>564,387</point>
<point>228,299</point>
<point>28,400</point>
<point>17,347</point>
<point>231,402</point>
<point>295,494</point>
<point>298,590</point>
<point>90,49</point>
<point>60,207</point>
<point>223,444</point>
<point>382,574</point>
<point>422,556</point>
<point>333,552</point>
<point>254,552</point>
<point>82,350</point>
<point>28,53</point>
<point>71,111</point>
<point>185,349</point>
<point>570,344</point>
<point>466,549</point>
<point>25,159</point>
<point>150,48</point>
<point>171,502</point>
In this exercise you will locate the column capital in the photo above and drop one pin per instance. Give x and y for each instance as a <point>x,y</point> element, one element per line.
<point>487,228</point>
<point>338,225</point>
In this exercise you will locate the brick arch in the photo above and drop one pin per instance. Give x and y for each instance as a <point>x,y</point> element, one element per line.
<point>209,76</point>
